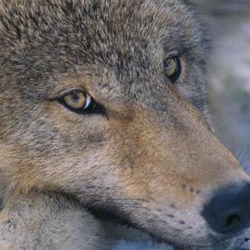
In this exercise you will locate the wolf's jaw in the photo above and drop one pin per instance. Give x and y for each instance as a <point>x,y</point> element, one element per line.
<point>145,245</point>
<point>131,238</point>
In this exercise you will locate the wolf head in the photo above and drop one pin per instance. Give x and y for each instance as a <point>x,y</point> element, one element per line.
<point>106,100</point>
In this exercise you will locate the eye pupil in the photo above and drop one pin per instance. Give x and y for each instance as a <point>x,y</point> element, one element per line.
<point>76,97</point>
<point>77,100</point>
<point>172,68</point>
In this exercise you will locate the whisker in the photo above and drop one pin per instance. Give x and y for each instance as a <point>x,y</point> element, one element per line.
<point>242,155</point>
<point>244,159</point>
<point>233,145</point>
<point>239,155</point>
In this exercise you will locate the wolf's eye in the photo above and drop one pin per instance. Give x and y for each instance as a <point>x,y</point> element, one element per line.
<point>172,68</point>
<point>77,101</point>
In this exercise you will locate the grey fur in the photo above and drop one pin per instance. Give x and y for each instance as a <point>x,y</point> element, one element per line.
<point>149,160</point>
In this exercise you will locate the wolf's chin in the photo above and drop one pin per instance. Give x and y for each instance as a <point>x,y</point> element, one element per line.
<point>145,245</point>
<point>129,237</point>
<point>125,235</point>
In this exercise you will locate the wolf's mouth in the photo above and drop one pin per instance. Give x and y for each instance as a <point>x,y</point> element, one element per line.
<point>127,235</point>
<point>124,234</point>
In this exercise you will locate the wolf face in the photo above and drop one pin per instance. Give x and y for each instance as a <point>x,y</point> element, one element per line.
<point>105,101</point>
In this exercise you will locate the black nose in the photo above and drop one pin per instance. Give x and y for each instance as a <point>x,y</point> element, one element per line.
<point>228,211</point>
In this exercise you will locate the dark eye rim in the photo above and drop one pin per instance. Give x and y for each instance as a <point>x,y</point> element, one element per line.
<point>178,71</point>
<point>94,108</point>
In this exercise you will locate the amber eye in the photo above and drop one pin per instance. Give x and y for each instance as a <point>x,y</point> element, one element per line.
<point>172,68</point>
<point>77,101</point>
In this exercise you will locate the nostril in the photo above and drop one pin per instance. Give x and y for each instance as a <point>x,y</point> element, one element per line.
<point>232,220</point>
<point>228,211</point>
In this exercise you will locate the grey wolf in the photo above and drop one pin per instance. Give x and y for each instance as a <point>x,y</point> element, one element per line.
<point>103,116</point>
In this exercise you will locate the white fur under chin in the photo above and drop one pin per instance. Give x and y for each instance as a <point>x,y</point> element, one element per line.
<point>128,238</point>
<point>144,245</point>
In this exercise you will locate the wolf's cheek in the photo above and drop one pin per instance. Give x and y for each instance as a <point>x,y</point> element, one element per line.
<point>164,171</point>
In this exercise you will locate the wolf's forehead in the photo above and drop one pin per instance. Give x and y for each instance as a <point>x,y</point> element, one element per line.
<point>133,24</point>
<point>98,26</point>
<point>91,24</point>
<point>54,36</point>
